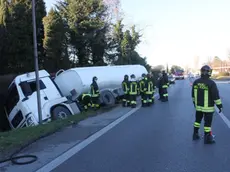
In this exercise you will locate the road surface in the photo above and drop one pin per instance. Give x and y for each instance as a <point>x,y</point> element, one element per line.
<point>158,139</point>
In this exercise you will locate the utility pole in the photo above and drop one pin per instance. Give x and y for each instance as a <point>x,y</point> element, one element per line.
<point>36,62</point>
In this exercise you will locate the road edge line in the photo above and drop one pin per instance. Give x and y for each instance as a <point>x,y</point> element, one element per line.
<point>78,147</point>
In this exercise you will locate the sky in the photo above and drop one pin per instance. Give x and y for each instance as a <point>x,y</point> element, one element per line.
<point>176,31</point>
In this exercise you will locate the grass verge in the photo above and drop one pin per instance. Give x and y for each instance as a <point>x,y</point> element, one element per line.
<point>15,139</point>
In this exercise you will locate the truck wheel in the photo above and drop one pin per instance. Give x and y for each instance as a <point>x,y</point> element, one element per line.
<point>108,97</point>
<point>60,112</point>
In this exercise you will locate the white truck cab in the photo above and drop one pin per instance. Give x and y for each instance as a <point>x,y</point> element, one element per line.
<point>21,103</point>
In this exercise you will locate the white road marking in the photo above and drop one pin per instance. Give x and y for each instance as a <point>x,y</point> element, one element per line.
<point>224,118</point>
<point>72,151</point>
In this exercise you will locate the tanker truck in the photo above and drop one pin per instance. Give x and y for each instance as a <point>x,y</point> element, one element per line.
<point>58,96</point>
<point>74,82</point>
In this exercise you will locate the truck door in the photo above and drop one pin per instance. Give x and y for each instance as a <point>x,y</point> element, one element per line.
<point>29,90</point>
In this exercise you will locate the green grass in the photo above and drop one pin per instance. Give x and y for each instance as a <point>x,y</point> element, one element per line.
<point>18,138</point>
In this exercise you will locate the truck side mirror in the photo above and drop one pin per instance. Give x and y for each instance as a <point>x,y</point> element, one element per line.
<point>25,98</point>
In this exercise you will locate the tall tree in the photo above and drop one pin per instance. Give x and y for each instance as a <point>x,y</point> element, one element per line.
<point>3,35</point>
<point>85,19</point>
<point>19,34</point>
<point>55,42</point>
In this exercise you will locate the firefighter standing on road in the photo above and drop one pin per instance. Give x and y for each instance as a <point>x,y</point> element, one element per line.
<point>154,87</point>
<point>133,89</point>
<point>95,94</point>
<point>160,83</point>
<point>125,87</point>
<point>150,90</point>
<point>205,95</point>
<point>143,88</point>
<point>165,86</point>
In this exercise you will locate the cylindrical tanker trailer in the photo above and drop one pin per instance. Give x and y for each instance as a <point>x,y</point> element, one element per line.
<point>109,78</point>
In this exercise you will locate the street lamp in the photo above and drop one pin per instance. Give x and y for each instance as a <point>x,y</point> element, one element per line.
<point>36,63</point>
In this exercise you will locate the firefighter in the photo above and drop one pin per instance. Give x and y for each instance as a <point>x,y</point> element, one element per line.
<point>150,90</point>
<point>165,86</point>
<point>154,87</point>
<point>205,95</point>
<point>143,88</point>
<point>86,100</point>
<point>133,89</point>
<point>160,83</point>
<point>125,87</point>
<point>95,95</point>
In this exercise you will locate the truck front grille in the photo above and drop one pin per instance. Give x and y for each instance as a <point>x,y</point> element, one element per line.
<point>17,119</point>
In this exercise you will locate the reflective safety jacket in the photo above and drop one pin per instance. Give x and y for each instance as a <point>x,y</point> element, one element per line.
<point>133,87</point>
<point>94,90</point>
<point>150,88</point>
<point>125,86</point>
<point>205,95</point>
<point>166,81</point>
<point>160,82</point>
<point>143,85</point>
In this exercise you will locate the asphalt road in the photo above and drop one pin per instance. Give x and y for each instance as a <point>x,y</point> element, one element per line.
<point>158,139</point>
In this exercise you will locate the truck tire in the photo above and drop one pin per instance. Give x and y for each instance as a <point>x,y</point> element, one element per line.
<point>108,98</point>
<point>60,112</point>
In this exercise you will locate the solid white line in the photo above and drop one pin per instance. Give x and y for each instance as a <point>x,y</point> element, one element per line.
<point>225,119</point>
<point>72,151</point>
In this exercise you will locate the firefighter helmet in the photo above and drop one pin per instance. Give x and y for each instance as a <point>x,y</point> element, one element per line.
<point>126,77</point>
<point>143,75</point>
<point>94,78</point>
<point>206,71</point>
<point>133,76</point>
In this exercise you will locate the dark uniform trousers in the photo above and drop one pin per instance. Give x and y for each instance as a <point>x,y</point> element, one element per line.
<point>165,92</point>
<point>208,116</point>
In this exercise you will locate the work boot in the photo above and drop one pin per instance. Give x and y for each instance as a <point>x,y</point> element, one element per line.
<point>163,100</point>
<point>195,136</point>
<point>166,99</point>
<point>124,104</point>
<point>209,139</point>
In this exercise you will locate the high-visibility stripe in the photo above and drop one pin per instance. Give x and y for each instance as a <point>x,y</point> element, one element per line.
<point>133,102</point>
<point>196,124</point>
<point>206,98</point>
<point>218,102</point>
<point>195,96</point>
<point>207,129</point>
<point>205,109</point>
